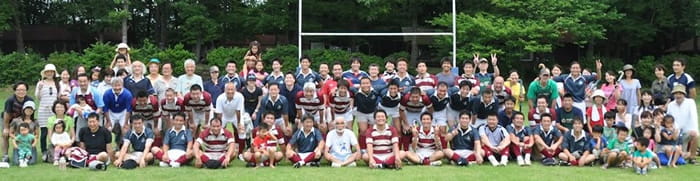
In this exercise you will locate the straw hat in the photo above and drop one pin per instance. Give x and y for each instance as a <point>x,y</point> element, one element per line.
<point>122,45</point>
<point>679,88</point>
<point>599,93</point>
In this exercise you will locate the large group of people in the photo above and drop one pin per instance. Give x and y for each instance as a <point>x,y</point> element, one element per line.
<point>157,118</point>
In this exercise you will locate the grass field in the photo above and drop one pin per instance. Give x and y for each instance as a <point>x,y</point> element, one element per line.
<point>45,171</point>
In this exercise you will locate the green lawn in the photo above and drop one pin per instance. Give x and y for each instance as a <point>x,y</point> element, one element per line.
<point>446,172</point>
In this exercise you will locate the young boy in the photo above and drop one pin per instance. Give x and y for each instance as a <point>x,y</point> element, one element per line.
<point>521,139</point>
<point>668,140</point>
<point>642,157</point>
<point>262,150</point>
<point>495,140</point>
<point>256,156</point>
<point>465,142</point>
<point>609,132</point>
<point>598,143</point>
<point>619,148</point>
<point>548,139</point>
<point>576,147</point>
<point>426,143</point>
<point>24,142</point>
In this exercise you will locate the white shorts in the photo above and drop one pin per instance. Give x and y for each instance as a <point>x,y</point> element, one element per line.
<point>424,153</point>
<point>391,111</point>
<point>341,157</point>
<point>198,118</point>
<point>452,115</point>
<point>119,117</point>
<point>364,118</point>
<point>175,154</point>
<point>383,157</point>
<point>464,153</point>
<point>134,156</point>
<point>581,106</point>
<point>413,118</point>
<point>440,118</point>
<point>347,116</point>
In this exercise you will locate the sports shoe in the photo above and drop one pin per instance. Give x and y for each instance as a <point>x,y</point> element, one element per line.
<point>527,160</point>
<point>5,159</point>
<point>45,158</point>
<point>298,165</point>
<point>493,161</point>
<point>436,163</point>
<point>101,166</point>
<point>520,161</point>
<point>504,161</point>
<point>353,164</point>
<point>564,163</point>
<point>334,165</point>
<point>22,163</point>
<point>250,164</point>
<point>55,163</point>
<point>637,170</point>
<point>315,164</point>
<point>174,164</point>
<point>163,164</point>
<point>462,162</point>
<point>240,157</point>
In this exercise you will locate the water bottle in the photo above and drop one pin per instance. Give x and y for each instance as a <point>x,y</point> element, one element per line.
<point>62,163</point>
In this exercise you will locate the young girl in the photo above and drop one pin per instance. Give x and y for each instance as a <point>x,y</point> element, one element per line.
<point>648,134</point>
<point>595,113</point>
<point>64,84</point>
<point>611,90</point>
<point>61,140</point>
<point>253,55</point>
<point>668,140</point>
<point>24,142</point>
<point>95,77</point>
<point>622,115</point>
<point>122,59</point>
<point>59,109</point>
<point>259,73</point>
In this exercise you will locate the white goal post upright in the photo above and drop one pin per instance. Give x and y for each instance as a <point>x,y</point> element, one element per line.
<point>301,34</point>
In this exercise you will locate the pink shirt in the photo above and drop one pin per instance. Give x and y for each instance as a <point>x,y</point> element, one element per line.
<point>609,91</point>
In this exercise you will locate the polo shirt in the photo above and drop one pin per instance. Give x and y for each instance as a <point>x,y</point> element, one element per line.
<point>550,91</point>
<point>549,137</point>
<point>521,133</point>
<point>615,144</point>
<point>685,114</point>
<point>355,77</point>
<point>95,142</point>
<point>117,103</point>
<point>184,83</point>
<point>416,107</point>
<point>426,82</point>
<point>137,86</point>
<point>465,139</point>
<point>310,105</point>
<point>211,142</point>
<point>272,78</point>
<point>566,119</point>
<point>684,79</point>
<point>306,142</point>
<point>251,99</point>
<point>482,110</point>
<point>664,140</point>
<point>92,97</point>
<point>439,104</point>
<point>150,111</point>
<point>277,106</point>
<point>138,141</point>
<point>382,141</point>
<point>14,106</point>
<point>603,143</point>
<point>169,108</point>
<point>504,119</point>
<point>269,142</point>
<point>406,82</point>
<point>311,76</point>
<point>574,144</point>
<point>341,104</point>
<point>390,102</point>
<point>495,135</point>
<point>177,140</point>
<point>227,108</point>
<point>460,103</point>
<point>366,102</point>
<point>378,85</point>
<point>213,89</point>
<point>199,106</point>
<point>575,86</point>
<point>426,138</point>
<point>475,82</point>
<point>223,80</point>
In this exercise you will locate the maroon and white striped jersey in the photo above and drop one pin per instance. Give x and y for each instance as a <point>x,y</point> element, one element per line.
<point>169,108</point>
<point>309,105</point>
<point>150,110</point>
<point>423,102</point>
<point>274,131</point>
<point>201,105</point>
<point>426,138</point>
<point>215,143</point>
<point>382,141</point>
<point>426,81</point>
<point>341,104</point>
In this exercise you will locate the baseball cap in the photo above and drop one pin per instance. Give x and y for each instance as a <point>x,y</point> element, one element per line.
<point>483,60</point>
<point>251,77</point>
<point>154,60</point>
<point>29,104</point>
<point>213,69</point>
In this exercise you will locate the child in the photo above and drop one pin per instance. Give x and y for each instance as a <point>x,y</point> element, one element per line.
<point>642,157</point>
<point>648,133</point>
<point>646,122</point>
<point>60,139</point>
<point>576,150</point>
<point>24,142</point>
<point>547,139</point>
<point>668,140</point>
<point>596,113</point>
<point>647,104</point>
<point>521,139</point>
<point>609,130</point>
<point>260,147</point>
<point>598,143</point>
<point>80,110</point>
<point>619,148</point>
<point>622,114</point>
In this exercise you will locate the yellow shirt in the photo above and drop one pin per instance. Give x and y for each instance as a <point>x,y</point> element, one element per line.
<point>517,91</point>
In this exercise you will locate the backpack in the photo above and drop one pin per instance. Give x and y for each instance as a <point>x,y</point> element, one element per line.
<point>77,157</point>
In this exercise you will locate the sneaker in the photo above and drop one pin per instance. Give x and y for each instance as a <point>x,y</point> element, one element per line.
<point>163,164</point>
<point>315,164</point>
<point>45,158</point>
<point>297,165</point>
<point>528,162</point>
<point>334,165</point>
<point>240,157</point>
<point>101,166</point>
<point>462,162</point>
<point>174,164</point>
<point>23,163</point>
<point>493,161</point>
<point>520,161</point>
<point>564,163</point>
<point>55,163</point>
<point>436,163</point>
<point>504,162</point>
<point>353,164</point>
<point>637,170</point>
<point>250,164</point>
<point>5,159</point>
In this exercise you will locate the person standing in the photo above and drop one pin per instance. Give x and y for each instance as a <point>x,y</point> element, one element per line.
<point>46,92</point>
<point>13,109</point>
<point>630,88</point>
<point>184,82</point>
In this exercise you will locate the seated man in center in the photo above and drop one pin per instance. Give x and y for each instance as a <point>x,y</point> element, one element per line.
<point>140,138</point>
<point>214,147</point>
<point>426,143</point>
<point>339,144</point>
<point>177,144</point>
<point>308,142</point>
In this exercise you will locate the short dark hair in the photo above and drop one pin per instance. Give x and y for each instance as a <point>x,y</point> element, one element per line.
<point>568,95</point>
<point>487,91</point>
<point>343,83</point>
<point>231,61</point>
<point>263,127</point>
<point>518,113</point>
<point>195,87</point>
<point>142,94</point>
<point>14,87</point>
<point>446,60</point>
<point>464,113</point>
<point>509,98</point>
<point>59,102</point>
<point>214,119</point>
<point>578,119</point>
<point>597,129</point>
<point>83,75</point>
<point>355,59</point>
<point>93,115</point>
<point>136,117</point>
<point>468,62</point>
<point>180,114</point>
<point>609,115</point>
<point>305,58</point>
<point>24,125</point>
<point>393,82</point>
<point>415,90</point>
<point>494,114</point>
<point>545,115</point>
<point>426,114</point>
<point>379,111</point>
<point>643,141</point>
<point>682,61</point>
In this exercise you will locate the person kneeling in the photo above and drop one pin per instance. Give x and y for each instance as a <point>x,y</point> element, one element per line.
<point>214,146</point>
<point>177,144</point>
<point>308,142</point>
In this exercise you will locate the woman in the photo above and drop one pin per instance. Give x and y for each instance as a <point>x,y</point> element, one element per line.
<point>137,82</point>
<point>259,73</point>
<point>46,93</point>
<point>660,88</point>
<point>80,69</point>
<point>13,109</point>
<point>95,77</point>
<point>516,88</point>
<point>611,90</point>
<point>166,81</point>
<point>106,83</point>
<point>154,69</point>
<point>630,88</point>
<point>556,72</point>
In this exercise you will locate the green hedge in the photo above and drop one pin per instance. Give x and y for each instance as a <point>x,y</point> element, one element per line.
<point>20,67</point>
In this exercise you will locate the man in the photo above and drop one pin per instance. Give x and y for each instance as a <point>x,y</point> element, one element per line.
<point>683,109</point>
<point>177,144</point>
<point>567,113</point>
<point>382,144</point>
<point>289,90</point>
<point>576,148</point>
<point>96,140</point>
<point>544,87</point>
<point>341,103</point>
<point>505,116</point>
<point>495,140</point>
<point>459,102</point>
<point>535,114</point>
<point>310,102</point>
<point>276,104</point>
<point>547,140</point>
<point>13,109</point>
<point>305,74</point>
<point>440,100</point>
<point>140,138</point>
<point>679,77</point>
<point>276,76</point>
<point>214,147</point>
<point>354,74</point>
<point>170,105</point>
<point>482,107</point>
<point>406,81</point>
<point>228,110</point>
<point>412,106</point>
<point>521,140</point>
<point>465,142</point>
<point>117,108</point>
<point>308,143</point>
<point>365,104</point>
<point>485,78</point>
<point>329,86</point>
<point>137,81</point>
<point>468,76</point>
<point>197,104</point>
<point>92,96</point>
<point>446,75</point>
<point>427,144</point>
<point>575,83</point>
<point>146,106</point>
<point>424,80</point>
<point>184,82</point>
<point>213,85</point>
<point>231,76</point>
<point>339,144</point>
<point>378,84</point>
<point>500,91</point>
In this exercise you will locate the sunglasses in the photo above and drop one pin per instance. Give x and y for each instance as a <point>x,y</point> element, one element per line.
<point>50,91</point>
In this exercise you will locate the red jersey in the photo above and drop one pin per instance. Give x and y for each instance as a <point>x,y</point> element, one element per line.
<point>341,104</point>
<point>274,131</point>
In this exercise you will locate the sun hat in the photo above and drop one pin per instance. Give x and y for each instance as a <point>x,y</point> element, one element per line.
<point>678,88</point>
<point>599,93</point>
<point>122,45</point>
<point>628,67</point>
<point>49,67</point>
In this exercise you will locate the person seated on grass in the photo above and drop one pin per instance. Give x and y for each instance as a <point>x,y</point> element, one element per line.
<point>598,143</point>
<point>96,140</point>
<point>412,106</point>
<point>521,139</point>
<point>264,147</point>
<point>214,147</point>
<point>60,139</point>
<point>619,147</point>
<point>382,144</point>
<point>668,140</point>
<point>465,142</point>
<point>576,148</point>
<point>177,144</point>
<point>609,132</point>
<point>649,134</point>
<point>642,157</point>
<point>308,143</point>
<point>548,139</point>
<point>426,143</point>
<point>495,141</point>
<point>339,144</point>
<point>140,138</point>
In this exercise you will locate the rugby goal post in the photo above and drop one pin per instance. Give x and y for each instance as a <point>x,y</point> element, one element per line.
<point>301,34</point>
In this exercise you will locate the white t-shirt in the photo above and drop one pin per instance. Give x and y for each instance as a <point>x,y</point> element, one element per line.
<point>685,114</point>
<point>60,139</point>
<point>227,108</point>
<point>341,144</point>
